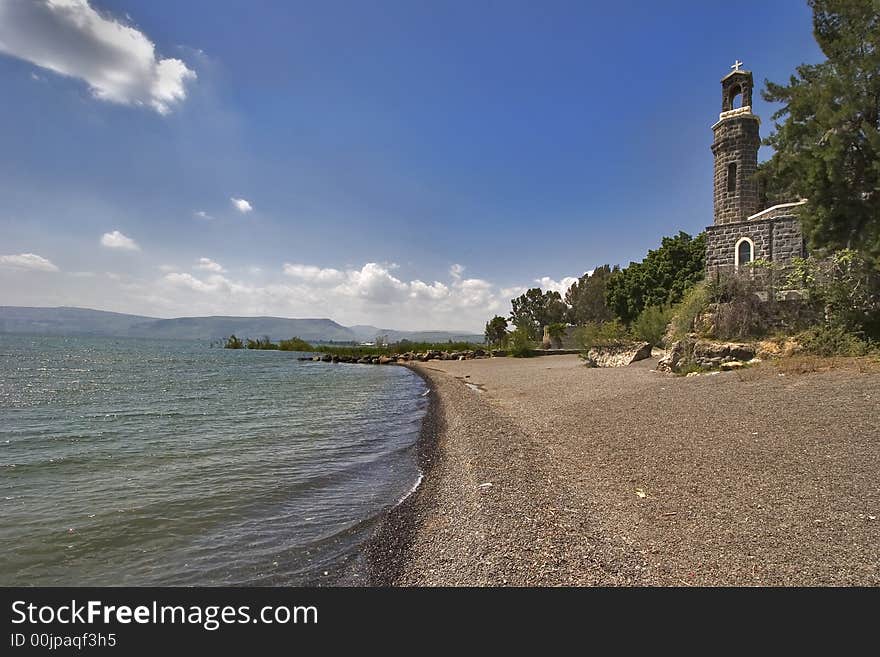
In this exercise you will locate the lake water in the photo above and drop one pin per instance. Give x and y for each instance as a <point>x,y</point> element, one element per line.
<point>136,462</point>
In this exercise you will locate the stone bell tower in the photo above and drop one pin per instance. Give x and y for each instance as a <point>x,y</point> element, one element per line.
<point>740,234</point>
<point>735,148</point>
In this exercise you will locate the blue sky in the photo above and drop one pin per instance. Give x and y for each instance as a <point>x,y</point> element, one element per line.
<point>396,163</point>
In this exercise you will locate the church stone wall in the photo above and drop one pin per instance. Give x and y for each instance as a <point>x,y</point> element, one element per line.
<point>776,238</point>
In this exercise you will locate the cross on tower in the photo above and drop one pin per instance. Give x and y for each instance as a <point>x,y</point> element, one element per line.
<point>736,65</point>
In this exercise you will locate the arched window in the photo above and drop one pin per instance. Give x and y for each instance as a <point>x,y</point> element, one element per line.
<point>731,178</point>
<point>736,96</point>
<point>743,252</point>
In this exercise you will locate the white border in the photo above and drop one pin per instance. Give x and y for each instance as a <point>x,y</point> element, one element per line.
<point>736,250</point>
<point>758,215</point>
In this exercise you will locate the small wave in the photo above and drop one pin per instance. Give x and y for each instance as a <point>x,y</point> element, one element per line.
<point>426,393</point>
<point>413,489</point>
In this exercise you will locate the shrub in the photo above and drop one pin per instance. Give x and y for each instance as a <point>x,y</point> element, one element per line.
<point>736,305</point>
<point>845,285</point>
<point>261,343</point>
<point>557,330</point>
<point>599,334</point>
<point>294,344</point>
<point>650,325</point>
<point>519,344</point>
<point>831,341</point>
<point>233,342</point>
<point>684,315</point>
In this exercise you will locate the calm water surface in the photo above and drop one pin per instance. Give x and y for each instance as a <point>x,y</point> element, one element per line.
<point>135,462</point>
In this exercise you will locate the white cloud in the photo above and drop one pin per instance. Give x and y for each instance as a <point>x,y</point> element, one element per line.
<point>215,283</point>
<point>71,38</point>
<point>30,261</point>
<point>117,240</point>
<point>368,294</point>
<point>241,205</point>
<point>548,284</point>
<point>420,290</point>
<point>201,214</point>
<point>314,274</point>
<point>456,270</point>
<point>209,265</point>
<point>373,282</point>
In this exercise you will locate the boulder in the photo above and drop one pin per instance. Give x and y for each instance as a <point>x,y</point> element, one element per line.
<point>718,352</point>
<point>732,365</point>
<point>618,355</point>
<point>676,356</point>
<point>384,360</point>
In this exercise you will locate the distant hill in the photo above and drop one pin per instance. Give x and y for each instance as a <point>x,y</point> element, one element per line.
<point>67,321</point>
<point>83,321</point>
<point>367,333</point>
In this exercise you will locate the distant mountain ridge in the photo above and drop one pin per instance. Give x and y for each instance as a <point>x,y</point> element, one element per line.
<point>84,321</point>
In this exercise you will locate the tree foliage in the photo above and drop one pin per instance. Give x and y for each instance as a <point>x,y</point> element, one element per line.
<point>294,344</point>
<point>661,278</point>
<point>846,286</point>
<point>827,149</point>
<point>496,330</point>
<point>233,342</point>
<point>587,296</point>
<point>535,309</point>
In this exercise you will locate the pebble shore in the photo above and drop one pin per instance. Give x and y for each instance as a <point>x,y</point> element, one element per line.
<point>542,472</point>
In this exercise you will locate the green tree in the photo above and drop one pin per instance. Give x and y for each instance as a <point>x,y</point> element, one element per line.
<point>827,150</point>
<point>496,330</point>
<point>535,309</point>
<point>847,288</point>
<point>233,342</point>
<point>660,279</point>
<point>295,344</point>
<point>587,296</point>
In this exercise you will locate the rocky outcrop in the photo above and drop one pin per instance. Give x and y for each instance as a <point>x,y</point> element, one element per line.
<point>617,355</point>
<point>704,354</point>
<point>391,359</point>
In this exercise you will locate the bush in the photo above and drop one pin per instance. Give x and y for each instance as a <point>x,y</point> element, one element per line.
<point>600,334</point>
<point>650,325</point>
<point>831,341</point>
<point>294,344</point>
<point>261,343</point>
<point>684,315</point>
<point>233,342</point>
<point>845,285</point>
<point>519,344</point>
<point>557,330</point>
<point>737,306</point>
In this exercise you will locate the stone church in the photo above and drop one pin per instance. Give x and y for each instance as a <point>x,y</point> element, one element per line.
<point>742,232</point>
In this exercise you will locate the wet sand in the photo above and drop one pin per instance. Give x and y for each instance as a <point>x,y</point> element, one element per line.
<point>545,472</point>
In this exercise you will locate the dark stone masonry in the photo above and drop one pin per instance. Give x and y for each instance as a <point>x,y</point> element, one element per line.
<point>742,234</point>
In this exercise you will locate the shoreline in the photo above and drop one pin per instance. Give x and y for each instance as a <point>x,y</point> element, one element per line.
<point>387,551</point>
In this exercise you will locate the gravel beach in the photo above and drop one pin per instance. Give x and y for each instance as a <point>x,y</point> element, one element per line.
<point>544,472</point>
